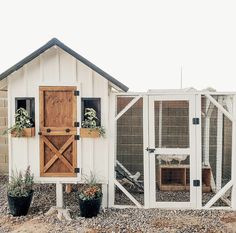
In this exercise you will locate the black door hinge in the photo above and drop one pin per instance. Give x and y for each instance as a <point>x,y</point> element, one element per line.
<point>196,183</point>
<point>77,137</point>
<point>150,150</point>
<point>77,170</point>
<point>76,124</point>
<point>76,93</point>
<point>196,121</point>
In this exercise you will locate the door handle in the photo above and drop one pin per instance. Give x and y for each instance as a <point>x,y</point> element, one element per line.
<point>67,130</point>
<point>150,150</point>
<point>48,130</point>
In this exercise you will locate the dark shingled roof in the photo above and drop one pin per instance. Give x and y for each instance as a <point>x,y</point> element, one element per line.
<point>58,43</point>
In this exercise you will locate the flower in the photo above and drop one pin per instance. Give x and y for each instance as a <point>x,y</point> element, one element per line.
<point>90,193</point>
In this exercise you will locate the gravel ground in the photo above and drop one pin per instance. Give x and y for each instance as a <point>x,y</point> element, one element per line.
<point>110,220</point>
<point>180,196</point>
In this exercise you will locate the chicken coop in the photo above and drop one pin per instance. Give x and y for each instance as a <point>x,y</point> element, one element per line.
<point>162,148</point>
<point>174,149</point>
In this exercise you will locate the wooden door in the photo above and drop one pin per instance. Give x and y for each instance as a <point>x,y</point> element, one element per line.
<point>58,153</point>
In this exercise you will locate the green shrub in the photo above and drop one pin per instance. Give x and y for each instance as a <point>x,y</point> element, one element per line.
<point>91,190</point>
<point>22,121</point>
<point>89,122</point>
<point>21,185</point>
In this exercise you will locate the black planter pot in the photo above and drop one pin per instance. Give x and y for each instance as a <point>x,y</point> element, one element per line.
<point>19,206</point>
<point>90,208</point>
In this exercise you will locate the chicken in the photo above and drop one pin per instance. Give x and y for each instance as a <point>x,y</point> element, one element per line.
<point>127,182</point>
<point>180,158</point>
<point>167,158</point>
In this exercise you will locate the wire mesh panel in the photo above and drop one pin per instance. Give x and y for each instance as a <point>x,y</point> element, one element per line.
<point>171,124</point>
<point>171,119</point>
<point>122,102</point>
<point>129,151</point>
<point>216,149</point>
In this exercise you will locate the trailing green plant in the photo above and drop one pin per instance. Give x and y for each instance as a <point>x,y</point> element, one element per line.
<point>22,121</point>
<point>91,190</point>
<point>90,121</point>
<point>21,185</point>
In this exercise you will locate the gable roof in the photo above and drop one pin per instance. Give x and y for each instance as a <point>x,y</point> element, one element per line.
<point>58,43</point>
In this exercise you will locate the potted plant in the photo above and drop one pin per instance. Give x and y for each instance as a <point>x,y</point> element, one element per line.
<point>23,125</point>
<point>20,192</point>
<point>89,125</point>
<point>90,198</point>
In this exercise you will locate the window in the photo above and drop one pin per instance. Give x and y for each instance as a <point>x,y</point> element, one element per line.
<point>94,103</point>
<point>28,105</point>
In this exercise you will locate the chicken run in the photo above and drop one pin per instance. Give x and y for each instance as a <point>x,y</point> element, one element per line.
<point>189,152</point>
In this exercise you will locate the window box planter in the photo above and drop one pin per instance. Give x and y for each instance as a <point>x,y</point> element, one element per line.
<point>89,133</point>
<point>27,132</point>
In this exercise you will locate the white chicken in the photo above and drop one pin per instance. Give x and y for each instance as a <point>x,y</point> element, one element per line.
<point>180,158</point>
<point>167,158</point>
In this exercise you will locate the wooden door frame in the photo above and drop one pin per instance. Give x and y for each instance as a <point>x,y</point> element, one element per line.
<point>73,130</point>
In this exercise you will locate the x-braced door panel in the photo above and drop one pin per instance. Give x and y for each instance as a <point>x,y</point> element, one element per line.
<point>58,152</point>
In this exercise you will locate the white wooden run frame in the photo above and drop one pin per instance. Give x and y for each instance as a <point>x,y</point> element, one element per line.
<point>196,163</point>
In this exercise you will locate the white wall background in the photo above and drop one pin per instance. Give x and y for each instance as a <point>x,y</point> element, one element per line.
<point>141,43</point>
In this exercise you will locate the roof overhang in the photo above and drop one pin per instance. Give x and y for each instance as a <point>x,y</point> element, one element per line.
<point>56,42</point>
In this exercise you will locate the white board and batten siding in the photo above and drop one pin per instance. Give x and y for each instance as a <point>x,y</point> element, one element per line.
<point>57,68</point>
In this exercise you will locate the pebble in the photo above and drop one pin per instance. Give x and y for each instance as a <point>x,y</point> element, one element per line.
<point>111,220</point>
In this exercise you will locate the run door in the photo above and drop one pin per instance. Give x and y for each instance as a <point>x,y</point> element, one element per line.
<point>171,151</point>
<point>58,152</point>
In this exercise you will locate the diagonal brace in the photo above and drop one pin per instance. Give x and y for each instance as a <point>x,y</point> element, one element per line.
<point>58,154</point>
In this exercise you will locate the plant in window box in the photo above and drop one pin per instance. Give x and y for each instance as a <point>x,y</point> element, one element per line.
<point>89,125</point>
<point>22,126</point>
<point>90,197</point>
<point>20,192</point>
